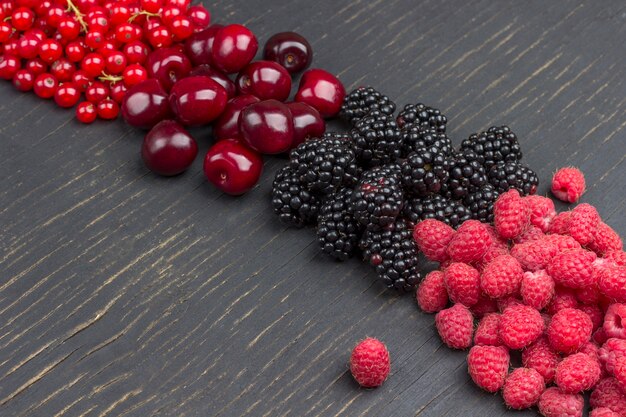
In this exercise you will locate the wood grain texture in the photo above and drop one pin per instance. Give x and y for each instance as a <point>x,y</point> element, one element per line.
<point>124,294</point>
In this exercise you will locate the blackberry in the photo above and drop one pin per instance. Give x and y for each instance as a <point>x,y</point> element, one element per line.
<point>425,171</point>
<point>291,201</point>
<point>394,254</point>
<point>506,175</point>
<point>417,137</point>
<point>377,198</point>
<point>324,165</point>
<point>480,203</point>
<point>422,115</point>
<point>377,139</point>
<point>466,176</point>
<point>436,207</point>
<point>361,101</point>
<point>495,145</point>
<point>339,136</point>
<point>337,232</point>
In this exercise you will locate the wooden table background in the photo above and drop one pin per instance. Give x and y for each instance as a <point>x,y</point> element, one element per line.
<point>126,294</point>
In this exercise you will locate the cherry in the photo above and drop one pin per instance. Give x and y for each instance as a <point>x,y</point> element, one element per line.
<point>67,95</point>
<point>108,109</point>
<point>233,48</point>
<point>134,74</point>
<point>24,80</point>
<point>9,66</point>
<point>218,77</point>
<point>86,112</point>
<point>96,92</point>
<point>321,90</point>
<point>227,126</point>
<point>267,126</point>
<point>307,123</point>
<point>45,85</point>
<point>146,104</point>
<point>50,50</point>
<point>232,167</point>
<point>200,16</point>
<point>290,50</point>
<point>198,46</point>
<point>266,80</point>
<point>197,100</point>
<point>22,18</point>
<point>168,65</point>
<point>168,149</point>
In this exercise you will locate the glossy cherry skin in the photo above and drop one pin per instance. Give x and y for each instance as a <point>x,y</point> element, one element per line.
<point>307,123</point>
<point>227,126</point>
<point>197,100</point>
<point>168,149</point>
<point>233,48</point>
<point>321,90</point>
<point>290,50</point>
<point>267,126</point>
<point>219,77</point>
<point>266,80</point>
<point>232,167</point>
<point>168,65</point>
<point>146,104</point>
<point>198,46</point>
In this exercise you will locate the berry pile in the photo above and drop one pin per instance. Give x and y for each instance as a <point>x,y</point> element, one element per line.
<point>366,189</point>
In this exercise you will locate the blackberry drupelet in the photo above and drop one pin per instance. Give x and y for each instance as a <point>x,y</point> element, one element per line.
<point>417,137</point>
<point>361,101</point>
<point>324,165</point>
<point>497,144</point>
<point>337,232</point>
<point>422,115</point>
<point>425,171</point>
<point>377,198</point>
<point>436,207</point>
<point>507,175</point>
<point>291,201</point>
<point>466,176</point>
<point>394,254</point>
<point>339,135</point>
<point>480,203</point>
<point>377,139</point>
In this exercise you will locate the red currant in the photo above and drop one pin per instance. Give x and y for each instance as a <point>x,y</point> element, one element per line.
<point>9,66</point>
<point>67,95</point>
<point>50,50</point>
<point>62,69</point>
<point>108,109</point>
<point>28,46</point>
<point>93,64</point>
<point>75,51</point>
<point>120,13</point>
<point>107,48</point>
<point>151,24</point>
<point>136,52</point>
<point>43,26</point>
<point>6,30</point>
<point>55,15</point>
<point>98,22</point>
<point>42,7</point>
<point>94,39</point>
<point>179,4</point>
<point>181,28</point>
<point>36,32</point>
<point>45,85</point>
<point>169,13</point>
<point>115,63</point>
<point>134,74</point>
<point>86,112</point>
<point>23,80</point>
<point>127,32</point>
<point>200,17</point>
<point>151,6</point>
<point>80,80</point>
<point>22,18</point>
<point>160,37</point>
<point>11,47</point>
<point>36,66</point>
<point>68,28</point>
<point>96,92</point>
<point>118,91</point>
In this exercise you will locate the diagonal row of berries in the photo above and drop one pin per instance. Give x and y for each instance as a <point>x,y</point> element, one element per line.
<point>552,286</point>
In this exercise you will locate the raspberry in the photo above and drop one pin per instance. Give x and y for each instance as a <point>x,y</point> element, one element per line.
<point>485,305</point>
<point>620,371</point>
<point>595,314</point>
<point>599,336</point>
<point>588,295</point>
<point>463,283</point>
<point>455,326</point>
<point>572,268</point>
<point>488,366</point>
<point>612,282</point>
<point>563,298</point>
<point>603,412</point>
<point>569,329</point>
<point>501,277</point>
<point>520,325</point>
<point>541,357</point>
<point>583,223</point>
<point>431,295</point>
<point>554,403</point>
<point>560,223</point>
<point>470,242</point>
<point>568,184</point>
<point>537,289</point>
<point>508,301</point>
<point>487,331</point>
<point>614,321</point>
<point>522,388</point>
<point>618,257</point>
<point>534,255</point>
<point>563,242</point>
<point>592,350</point>
<point>532,233</point>
<point>369,363</point>
<point>542,211</point>
<point>432,237</point>
<point>576,373</point>
<point>608,393</point>
<point>610,351</point>
<point>511,215</point>
<point>605,240</point>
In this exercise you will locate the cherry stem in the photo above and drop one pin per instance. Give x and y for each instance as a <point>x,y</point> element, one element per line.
<point>110,78</point>
<point>142,13</point>
<point>71,7</point>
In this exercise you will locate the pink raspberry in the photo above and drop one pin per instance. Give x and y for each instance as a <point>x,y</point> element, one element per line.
<point>534,255</point>
<point>511,215</point>
<point>463,283</point>
<point>522,388</point>
<point>554,403</point>
<point>499,247</point>
<point>501,277</point>
<point>618,257</point>
<point>541,357</point>
<point>488,366</point>
<point>560,223</point>
<point>576,373</point>
<point>485,305</point>
<point>620,371</point>
<point>563,242</point>
<point>569,329</point>
<point>487,331</point>
<point>455,326</point>
<point>531,234</point>
<point>583,223</point>
<point>563,298</point>
<point>614,320</point>
<point>509,301</point>
<point>610,351</point>
<point>612,282</point>
<point>573,268</point>
<point>369,363</point>
<point>520,325</point>
<point>432,237</point>
<point>599,337</point>
<point>588,295</point>
<point>537,289</point>
<point>542,211</point>
<point>568,184</point>
<point>603,412</point>
<point>431,294</point>
<point>605,239</point>
<point>592,350</point>
<point>595,313</point>
<point>608,393</point>
<point>470,242</point>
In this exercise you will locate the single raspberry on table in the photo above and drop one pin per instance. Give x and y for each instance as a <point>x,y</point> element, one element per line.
<point>612,282</point>
<point>470,242</point>
<point>369,363</point>
<point>511,215</point>
<point>568,184</point>
<point>522,388</point>
<point>431,294</point>
<point>455,326</point>
<point>569,329</point>
<point>583,223</point>
<point>573,268</point>
<point>576,373</point>
<point>603,412</point>
<point>534,255</point>
<point>605,240</point>
<point>501,277</point>
<point>463,283</point>
<point>555,403</point>
<point>563,298</point>
<point>487,331</point>
<point>608,393</point>
<point>542,358</point>
<point>541,210</point>
<point>432,238</point>
<point>614,320</point>
<point>488,366</point>
<point>537,289</point>
<point>520,325</point>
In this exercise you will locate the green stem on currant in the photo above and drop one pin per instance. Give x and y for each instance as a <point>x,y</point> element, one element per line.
<point>142,13</point>
<point>110,78</point>
<point>71,7</point>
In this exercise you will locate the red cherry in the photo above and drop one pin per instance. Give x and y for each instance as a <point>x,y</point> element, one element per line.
<point>134,74</point>
<point>62,69</point>
<point>266,80</point>
<point>232,167</point>
<point>168,149</point>
<point>115,63</point>
<point>9,66</point>
<point>86,112</point>
<point>290,50</point>
<point>22,18</point>
<point>233,48</point>
<point>197,100</point>
<point>23,80</point>
<point>218,77</point>
<point>267,126</point>
<point>93,64</point>
<point>108,109</point>
<point>307,123</point>
<point>50,50</point>
<point>36,66</point>
<point>67,95</point>
<point>45,85</point>
<point>321,90</point>
<point>75,51</point>
<point>168,65</point>
<point>96,92</point>
<point>146,104</point>
<point>136,52</point>
<point>227,126</point>
<point>200,16</point>
<point>198,46</point>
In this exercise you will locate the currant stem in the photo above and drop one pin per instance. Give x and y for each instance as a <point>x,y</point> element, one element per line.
<point>144,13</point>
<point>110,78</point>
<point>71,7</point>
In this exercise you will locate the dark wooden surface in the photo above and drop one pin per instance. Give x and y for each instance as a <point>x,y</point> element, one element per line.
<point>125,294</point>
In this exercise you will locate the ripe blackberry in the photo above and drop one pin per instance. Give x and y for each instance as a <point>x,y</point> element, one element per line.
<point>422,115</point>
<point>425,171</point>
<point>291,201</point>
<point>377,198</point>
<point>466,176</point>
<point>435,207</point>
<point>324,165</point>
<point>394,254</point>
<point>339,136</point>
<point>337,232</point>
<point>480,203</point>
<point>497,144</point>
<point>361,101</point>
<point>418,137</point>
<point>506,175</point>
<point>377,139</point>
